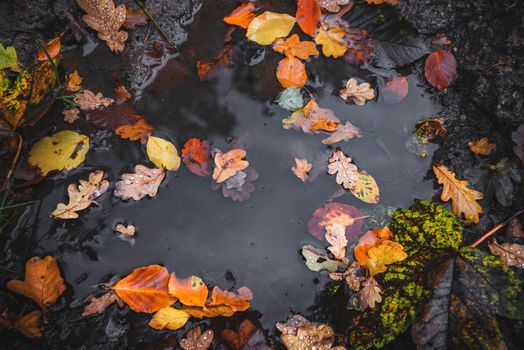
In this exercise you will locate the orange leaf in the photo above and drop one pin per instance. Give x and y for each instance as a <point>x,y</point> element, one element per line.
<point>196,156</point>
<point>228,164</point>
<point>368,240</point>
<point>209,311</point>
<point>139,130</point>
<point>308,14</point>
<point>241,16</point>
<point>74,81</point>
<point>312,119</point>
<point>237,340</point>
<point>293,47</point>
<point>52,48</point>
<point>301,169</point>
<point>42,282</point>
<point>482,147</point>
<point>145,289</point>
<point>190,291</point>
<point>395,90</point>
<point>237,302</point>
<point>122,93</point>
<point>291,72</point>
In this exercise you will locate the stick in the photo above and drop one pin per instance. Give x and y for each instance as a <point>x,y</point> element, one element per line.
<point>15,160</point>
<point>153,20</point>
<point>495,229</point>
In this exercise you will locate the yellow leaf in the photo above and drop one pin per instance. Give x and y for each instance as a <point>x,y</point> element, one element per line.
<point>268,26</point>
<point>385,253</point>
<point>463,199</point>
<point>332,41</point>
<point>365,188</point>
<point>162,153</point>
<point>169,318</point>
<point>64,150</point>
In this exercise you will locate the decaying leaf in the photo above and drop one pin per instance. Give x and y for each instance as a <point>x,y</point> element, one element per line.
<point>162,153</point>
<point>312,119</point>
<point>9,58</point>
<point>28,325</point>
<point>134,18</point>
<point>190,291</point>
<point>336,237</point>
<point>52,48</point>
<point>332,40</point>
<point>463,199</point>
<point>514,229</point>
<point>268,26</point>
<point>431,127</point>
<point>242,15</point>
<point>346,172</point>
<point>351,276</point>
<point>126,230</point>
<point>196,156</point>
<point>87,100</point>
<point>228,164</point>
<point>308,15</point>
<point>196,340</point>
<point>43,282</point>
<point>122,93</point>
<point>236,301</point>
<point>337,213</point>
<point>293,47</point>
<point>482,147</point>
<point>145,289</point>
<point>369,294</point>
<point>332,5</point>
<point>237,340</point>
<point>169,318</point>
<point>290,99</point>
<point>291,73</point>
<point>63,150</point>
<point>73,82</point>
<point>144,181</point>
<point>344,132</point>
<point>440,69</point>
<point>518,139</point>
<point>307,335</point>
<point>301,169</point>
<point>512,254</point>
<point>365,188</point>
<point>358,93</point>
<point>82,196</point>
<point>139,130</point>
<point>71,115</point>
<point>99,305</point>
<point>106,19</point>
<point>111,117</point>
<point>317,260</point>
<point>441,39</point>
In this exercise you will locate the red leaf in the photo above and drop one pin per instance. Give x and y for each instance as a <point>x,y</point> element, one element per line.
<point>196,156</point>
<point>308,14</point>
<point>395,90</point>
<point>440,69</point>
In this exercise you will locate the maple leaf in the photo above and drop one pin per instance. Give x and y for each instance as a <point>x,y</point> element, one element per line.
<point>144,181</point>
<point>336,237</point>
<point>512,254</point>
<point>291,73</point>
<point>162,153</point>
<point>228,164</point>
<point>196,156</point>
<point>106,19</point>
<point>301,169</point>
<point>344,132</point>
<point>312,119</point>
<point>169,318</point>
<point>128,231</point>
<point>293,47</point>
<point>482,146</point>
<point>196,340</point>
<point>71,115</point>
<point>358,93</point>
<point>440,69</point>
<point>463,199</point>
<point>52,48</point>
<point>134,18</point>
<point>139,130</point>
<point>241,16</point>
<point>87,100</point>
<point>73,82</point>
<point>42,282</point>
<point>369,294</point>
<point>336,213</point>
<point>333,5</point>
<point>82,197</point>
<point>99,305</point>
<point>190,291</point>
<point>268,26</point>
<point>332,40</point>
<point>63,150</point>
<point>346,172</point>
<point>28,325</point>
<point>145,289</point>
<point>308,15</point>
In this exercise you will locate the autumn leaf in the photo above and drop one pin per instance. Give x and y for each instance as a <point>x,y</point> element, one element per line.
<point>301,169</point>
<point>395,90</point>
<point>344,132</point>
<point>291,73</point>
<point>228,164</point>
<point>207,69</point>
<point>242,15</point>
<point>512,254</point>
<point>209,311</point>
<point>126,230</point>
<point>463,199</point>
<point>333,5</point>
<point>312,119</point>
<point>308,15</point>
<point>332,40</point>
<point>365,188</point>
<point>268,26</point>
<point>317,260</point>
<point>122,94</point>
<point>240,186</point>
<point>73,82</point>
<point>145,289</point>
<point>300,334</point>
<point>113,116</point>
<point>42,282</point>
<point>52,48</point>
<point>134,18</point>
<point>346,172</point>
<point>162,153</point>
<point>28,325</point>
<point>358,93</point>
<point>293,47</point>
<point>336,213</point>
<point>236,301</point>
<point>99,305</point>
<point>440,69</point>
<point>441,39</point>
<point>63,150</point>
<point>168,318</point>
<point>196,156</point>
<point>431,128</point>
<point>144,181</point>
<point>482,147</point>
<point>369,294</point>
<point>87,100</point>
<point>196,340</point>
<point>139,130</point>
<point>82,197</point>
<point>290,99</point>
<point>71,115</point>
<point>237,340</point>
<point>370,239</point>
<point>336,237</point>
<point>9,59</point>
<point>385,253</point>
<point>190,291</point>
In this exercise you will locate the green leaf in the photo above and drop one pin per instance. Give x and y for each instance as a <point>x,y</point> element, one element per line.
<point>8,58</point>
<point>290,99</point>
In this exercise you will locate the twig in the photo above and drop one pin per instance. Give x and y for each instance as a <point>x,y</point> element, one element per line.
<point>15,160</point>
<point>495,229</point>
<point>154,21</point>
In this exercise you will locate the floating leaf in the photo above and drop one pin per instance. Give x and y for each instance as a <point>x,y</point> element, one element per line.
<point>162,153</point>
<point>207,69</point>
<point>237,340</point>
<point>482,146</point>
<point>63,150</point>
<point>99,305</point>
<point>9,59</point>
<point>431,127</point>
<point>240,191</point>
<point>113,116</point>
<point>196,156</point>
<point>82,197</point>
<point>317,260</point>
<point>228,164</point>
<point>190,291</point>
<point>308,15</point>
<point>440,69</point>
<point>52,48</point>
<point>87,100</point>
<point>308,335</point>
<point>369,294</point>
<point>336,213</point>
<point>344,132</point>
<point>169,318</point>
<point>139,130</point>
<point>293,47</point>
<point>301,169</point>
<point>268,26</point>
<point>346,172</point>
<point>370,239</point>
<point>365,188</point>
<point>291,73</point>
<point>358,93</point>
<point>385,253</point>
<point>241,16</point>
<point>332,40</point>
<point>379,2</point>
<point>290,99</point>
<point>312,119</point>
<point>144,181</point>
<point>336,237</point>
<point>512,254</point>
<point>196,340</point>
<point>71,115</point>
<point>126,230</point>
<point>395,90</point>
<point>236,301</point>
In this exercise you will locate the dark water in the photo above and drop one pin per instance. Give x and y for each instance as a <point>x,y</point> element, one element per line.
<point>193,230</point>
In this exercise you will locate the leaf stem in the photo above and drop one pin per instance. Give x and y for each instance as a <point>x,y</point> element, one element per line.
<point>13,164</point>
<point>495,229</point>
<point>154,21</point>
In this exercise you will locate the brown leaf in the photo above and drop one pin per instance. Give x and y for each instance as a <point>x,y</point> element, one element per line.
<point>190,291</point>
<point>306,335</point>
<point>344,132</point>
<point>144,181</point>
<point>196,340</point>
<point>113,116</point>
<point>99,305</point>
<point>358,93</point>
<point>312,119</point>
<point>379,2</point>
<point>139,130</point>
<point>87,100</point>
<point>440,69</point>
<point>482,147</point>
<point>73,82</point>
<point>293,47</point>
<point>512,254</point>
<point>237,340</point>
<point>28,325</point>
<point>369,294</point>
<point>301,169</point>
<point>71,115</point>
<point>514,229</point>
<point>463,199</point>
<point>134,18</point>
<point>337,213</point>
<point>441,39</point>
<point>42,282</point>
<point>395,90</point>
<point>240,186</point>
<point>346,172</point>
<point>52,48</point>
<point>82,197</point>
<point>351,276</point>
<point>207,69</point>
<point>336,237</point>
<point>122,94</point>
<point>126,230</point>
<point>209,311</point>
<point>228,164</point>
<point>431,128</point>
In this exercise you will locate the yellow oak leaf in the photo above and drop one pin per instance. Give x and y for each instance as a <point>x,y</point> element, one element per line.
<point>268,26</point>
<point>162,153</point>
<point>293,47</point>
<point>228,164</point>
<point>169,318</point>
<point>332,41</point>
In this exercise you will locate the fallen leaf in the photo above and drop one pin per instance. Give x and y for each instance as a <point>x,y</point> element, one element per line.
<point>42,282</point>
<point>139,130</point>
<point>291,73</point>
<point>144,181</point>
<point>346,172</point>
<point>370,239</point>
<point>126,230</point>
<point>312,119</point>
<point>309,335</point>
<point>236,301</point>
<point>384,253</point>
<point>440,69</point>
<point>332,40</point>
<point>73,82</point>
<point>87,100</point>
<point>514,229</point>
<point>431,128</point>
<point>268,26</point>
<point>52,48</point>
<point>145,289</point>
<point>63,150</point>
<point>441,39</point>
<point>301,169</point>
<point>241,16</point>
<point>344,132</point>
<point>369,294</point>
<point>196,156</point>
<point>237,340</point>
<point>365,188</point>
<point>482,147</point>
<point>350,276</point>
<point>190,291</point>
<point>99,305</point>
<point>463,199</point>
<point>122,94</point>
<point>360,47</point>
<point>290,99</point>
<point>169,318</point>
<point>82,197</point>
<point>113,116</point>
<point>28,325</point>
<point>228,164</point>
<point>71,115</point>
<point>308,15</point>
<point>196,340</point>
<point>9,59</point>
<point>209,311</point>
<point>336,213</point>
<point>395,90</point>
<point>317,260</point>
<point>207,69</point>
<point>162,153</point>
<point>512,254</point>
<point>358,93</point>
<point>336,237</point>
<point>518,139</point>
<point>106,19</point>
<point>293,47</point>
<point>134,18</point>
<point>333,5</point>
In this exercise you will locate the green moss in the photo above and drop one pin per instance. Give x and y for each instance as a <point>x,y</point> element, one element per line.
<point>11,94</point>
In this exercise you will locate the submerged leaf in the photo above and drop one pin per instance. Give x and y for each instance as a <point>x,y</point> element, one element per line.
<point>482,146</point>
<point>395,90</point>
<point>162,153</point>
<point>312,119</point>
<point>28,325</point>
<point>344,132</point>
<point>73,82</point>
<point>518,139</point>
<point>336,213</point>
<point>301,169</point>
<point>87,100</point>
<point>268,26</point>
<point>140,129</point>
<point>99,305</point>
<point>237,340</point>
<point>144,181</point>
<point>196,156</point>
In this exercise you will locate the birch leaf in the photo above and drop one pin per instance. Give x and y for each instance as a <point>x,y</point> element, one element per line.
<point>268,26</point>
<point>162,153</point>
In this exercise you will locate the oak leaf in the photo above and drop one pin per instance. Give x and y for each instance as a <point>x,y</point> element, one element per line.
<point>369,294</point>
<point>293,47</point>
<point>71,115</point>
<point>440,69</point>
<point>346,172</point>
<point>312,119</point>
<point>126,230</point>
<point>144,181</point>
<point>512,254</point>
<point>301,169</point>
<point>43,282</point>
<point>228,164</point>
<point>73,82</point>
<point>139,130</point>
<point>463,199</point>
<point>169,318</point>
<point>239,186</point>
<point>82,196</point>
<point>358,93</point>
<point>308,15</point>
<point>332,40</point>
<point>100,304</point>
<point>241,16</point>
<point>291,73</point>
<point>482,147</point>
<point>268,26</point>
<point>87,100</point>
<point>9,58</point>
<point>190,291</point>
<point>196,340</point>
<point>344,132</point>
<point>333,5</point>
<point>145,289</point>
<point>196,156</point>
<point>336,237</point>
<point>52,48</point>
<point>162,153</point>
